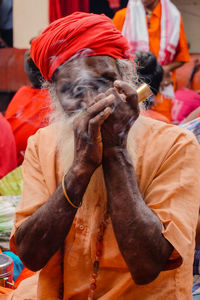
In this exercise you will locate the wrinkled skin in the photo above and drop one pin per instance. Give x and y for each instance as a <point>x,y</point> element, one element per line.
<point>108,105</point>
<point>109,108</point>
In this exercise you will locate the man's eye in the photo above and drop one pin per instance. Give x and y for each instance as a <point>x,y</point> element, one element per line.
<point>65,88</point>
<point>102,80</point>
<point>79,91</point>
<point>109,76</point>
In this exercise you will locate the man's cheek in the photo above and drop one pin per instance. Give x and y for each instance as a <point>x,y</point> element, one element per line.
<point>70,105</point>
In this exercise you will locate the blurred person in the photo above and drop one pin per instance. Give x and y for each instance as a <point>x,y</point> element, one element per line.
<point>29,109</point>
<point>150,72</point>
<point>156,25</point>
<point>101,7</point>
<point>107,7</point>
<point>6,23</point>
<point>8,156</point>
<point>110,204</point>
<point>186,104</point>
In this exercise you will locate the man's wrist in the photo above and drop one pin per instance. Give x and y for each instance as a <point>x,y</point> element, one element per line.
<point>81,170</point>
<point>111,152</point>
<point>76,181</point>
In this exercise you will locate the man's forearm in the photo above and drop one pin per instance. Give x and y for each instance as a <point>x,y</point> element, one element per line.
<point>137,228</point>
<point>173,66</point>
<point>43,233</point>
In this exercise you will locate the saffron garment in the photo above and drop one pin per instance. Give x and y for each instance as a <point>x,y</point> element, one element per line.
<point>8,154</point>
<point>163,105</point>
<point>165,158</point>
<point>28,111</point>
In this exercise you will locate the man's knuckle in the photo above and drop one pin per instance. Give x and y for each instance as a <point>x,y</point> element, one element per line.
<point>89,110</point>
<point>133,94</point>
<point>92,122</point>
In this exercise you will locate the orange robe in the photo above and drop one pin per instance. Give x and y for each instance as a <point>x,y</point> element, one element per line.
<point>27,112</point>
<point>165,159</point>
<point>162,105</point>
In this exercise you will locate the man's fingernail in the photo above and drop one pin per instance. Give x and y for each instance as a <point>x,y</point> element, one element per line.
<point>117,82</point>
<point>110,97</point>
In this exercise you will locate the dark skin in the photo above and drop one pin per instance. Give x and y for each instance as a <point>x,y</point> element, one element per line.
<point>150,4</point>
<point>100,131</point>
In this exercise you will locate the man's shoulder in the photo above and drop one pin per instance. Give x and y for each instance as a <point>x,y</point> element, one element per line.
<point>160,133</point>
<point>42,134</point>
<point>43,141</point>
<point>155,146</point>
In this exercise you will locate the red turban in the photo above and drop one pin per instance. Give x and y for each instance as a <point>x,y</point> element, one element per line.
<point>78,31</point>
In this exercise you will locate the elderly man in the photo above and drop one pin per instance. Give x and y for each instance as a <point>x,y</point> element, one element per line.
<point>110,203</point>
<point>156,25</point>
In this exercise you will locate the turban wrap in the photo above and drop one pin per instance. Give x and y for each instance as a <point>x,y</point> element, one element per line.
<point>65,37</point>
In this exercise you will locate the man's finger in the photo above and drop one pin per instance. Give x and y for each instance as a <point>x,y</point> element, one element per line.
<point>99,97</point>
<point>95,123</point>
<point>131,95</point>
<point>81,123</point>
<point>112,91</point>
<point>99,106</point>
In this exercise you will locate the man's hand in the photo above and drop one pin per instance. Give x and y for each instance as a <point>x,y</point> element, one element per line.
<point>115,129</point>
<point>167,76</point>
<point>87,133</point>
<point>167,80</point>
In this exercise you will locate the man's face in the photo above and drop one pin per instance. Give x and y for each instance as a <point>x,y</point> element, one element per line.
<point>149,3</point>
<point>80,80</point>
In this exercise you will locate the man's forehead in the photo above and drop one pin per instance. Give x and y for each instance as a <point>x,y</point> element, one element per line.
<point>90,61</point>
<point>98,64</point>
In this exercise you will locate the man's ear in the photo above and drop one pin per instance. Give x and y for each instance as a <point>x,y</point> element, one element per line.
<point>54,76</point>
<point>32,71</point>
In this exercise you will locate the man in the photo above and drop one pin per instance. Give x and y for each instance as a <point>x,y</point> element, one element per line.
<point>29,109</point>
<point>110,203</point>
<point>156,25</point>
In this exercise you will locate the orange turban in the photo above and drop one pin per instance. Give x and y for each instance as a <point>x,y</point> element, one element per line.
<point>79,31</point>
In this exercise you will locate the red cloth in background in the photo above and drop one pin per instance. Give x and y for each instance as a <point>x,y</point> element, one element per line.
<point>28,111</point>
<point>80,31</point>
<point>62,8</point>
<point>184,103</point>
<point>8,156</point>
